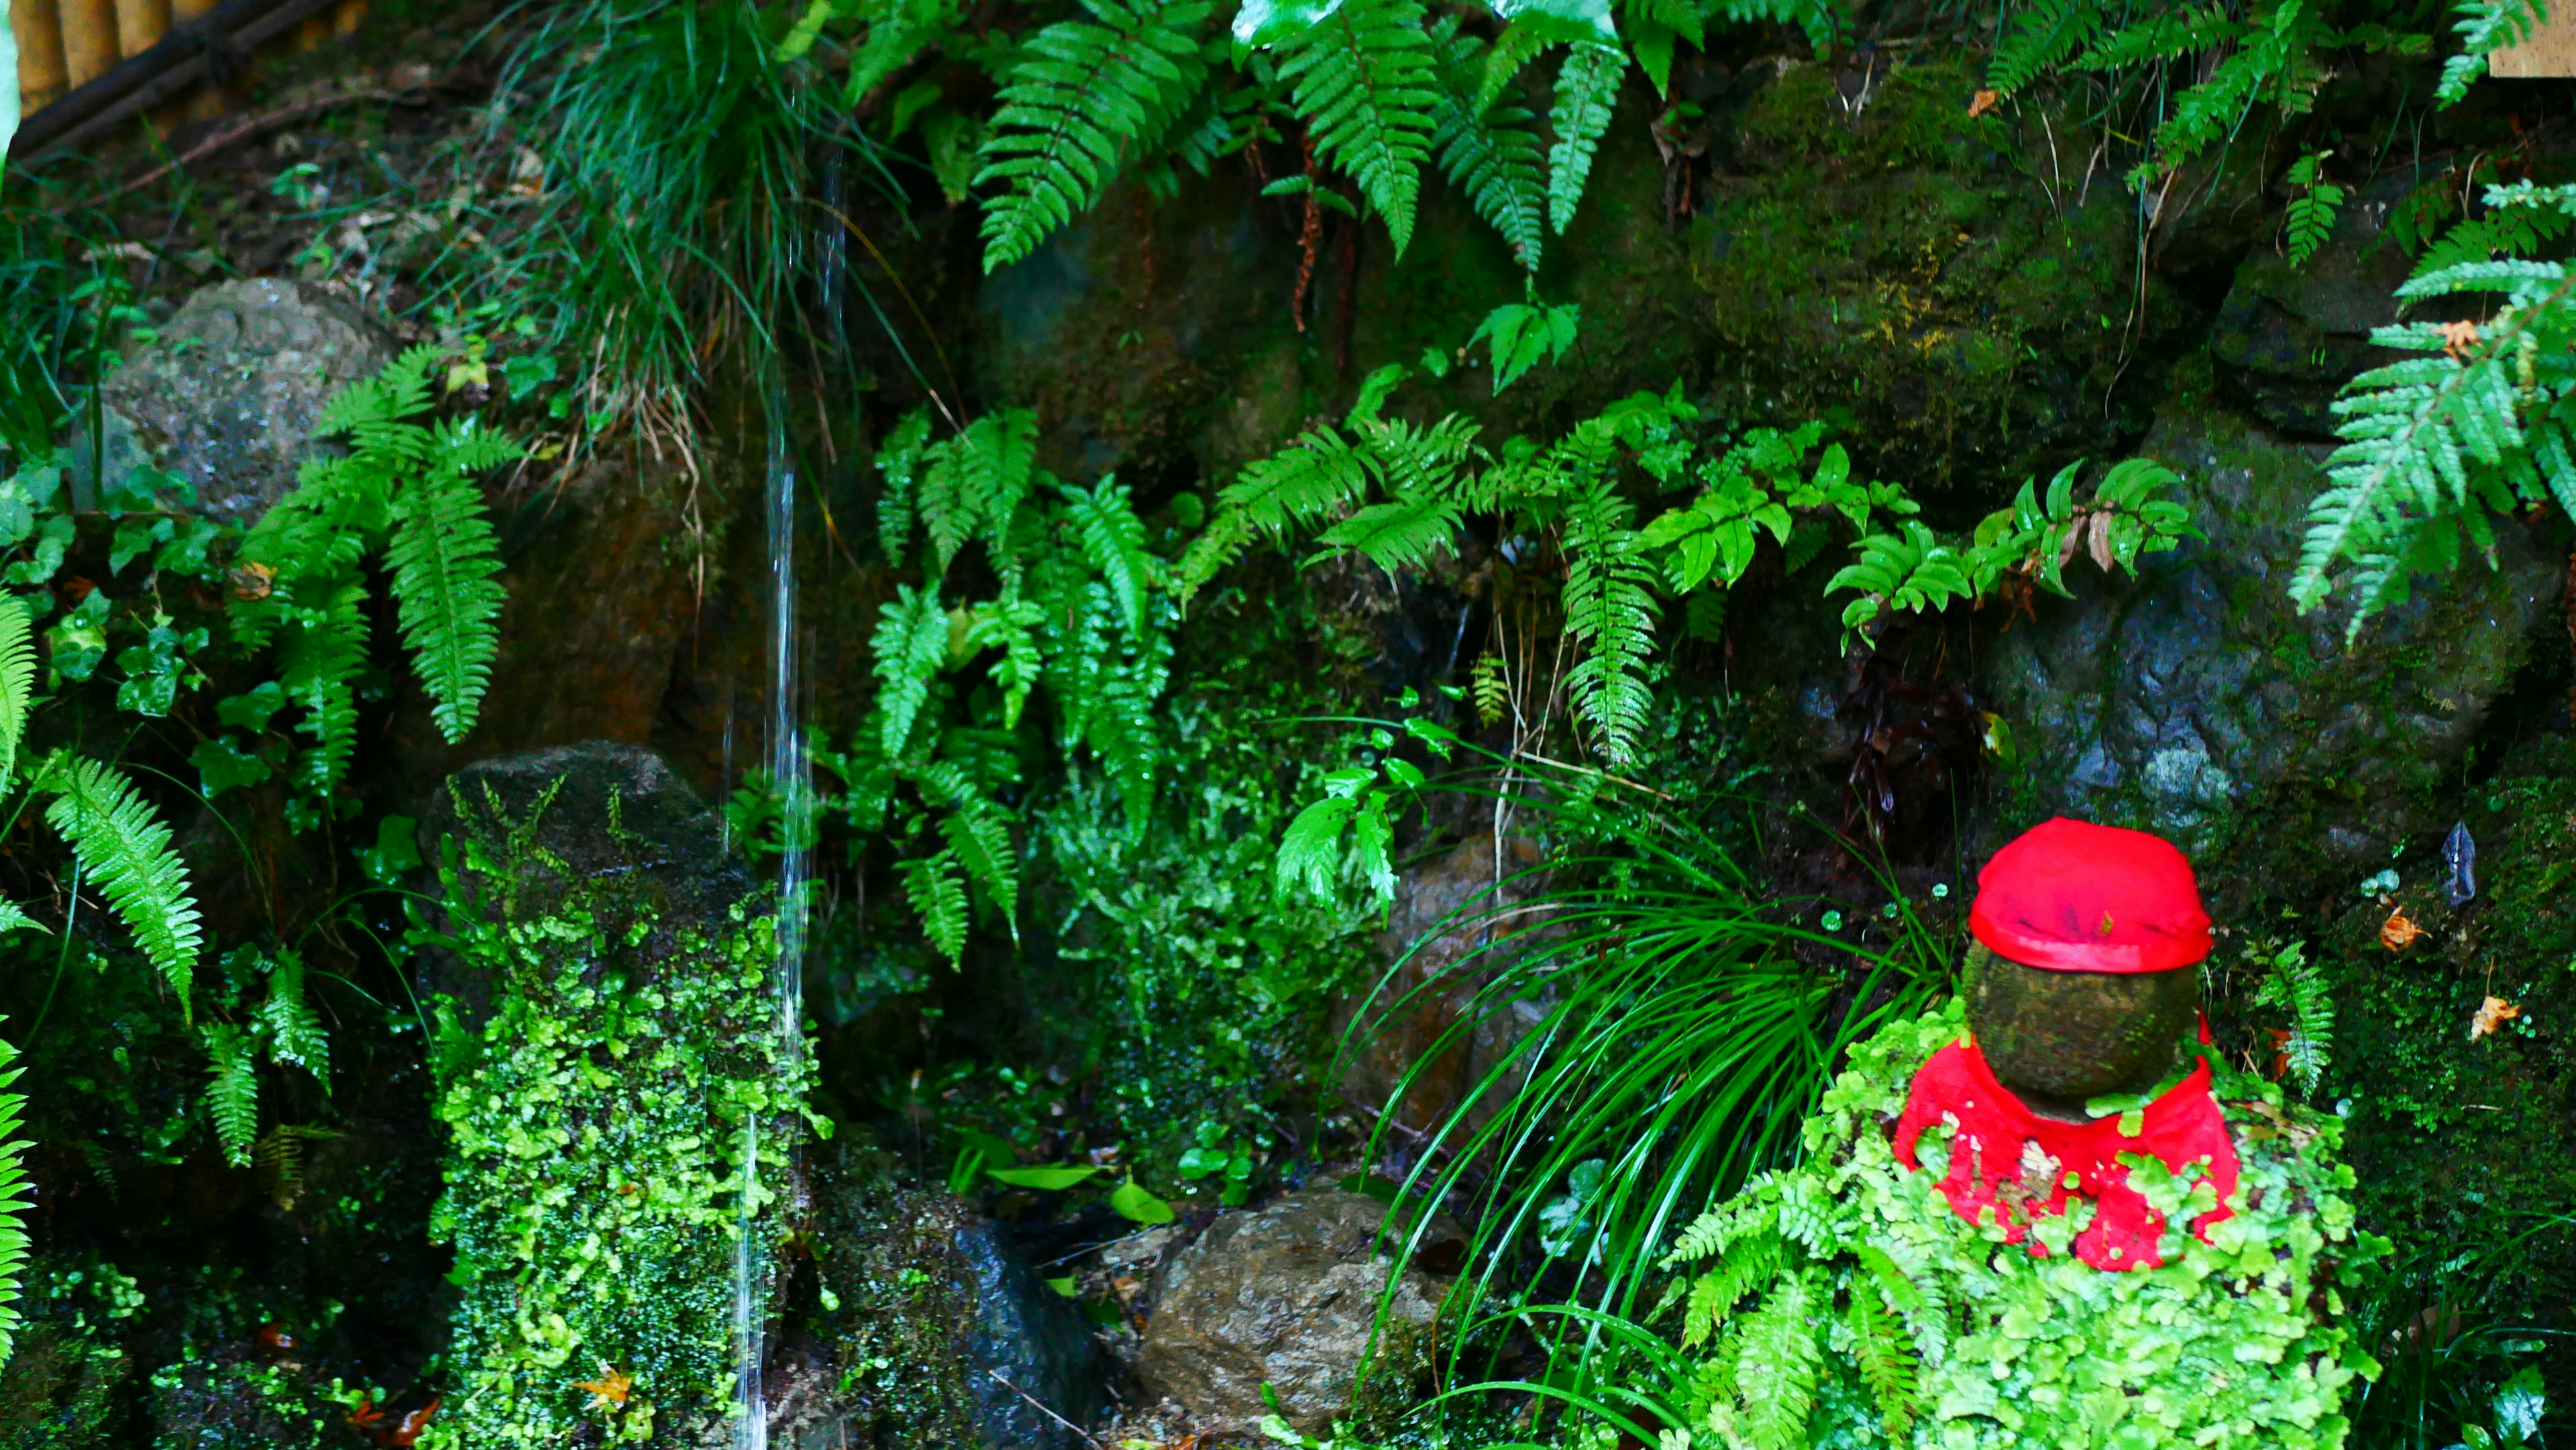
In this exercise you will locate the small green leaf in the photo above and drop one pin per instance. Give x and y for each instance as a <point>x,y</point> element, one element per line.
<point>1052,1178</point>
<point>1135,1204</point>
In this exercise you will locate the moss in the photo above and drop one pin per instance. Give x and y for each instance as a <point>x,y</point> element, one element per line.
<point>893,1303</point>
<point>1895,263</point>
<point>597,1161</point>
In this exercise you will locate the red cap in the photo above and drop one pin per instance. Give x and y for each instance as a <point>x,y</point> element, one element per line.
<point>2076,897</point>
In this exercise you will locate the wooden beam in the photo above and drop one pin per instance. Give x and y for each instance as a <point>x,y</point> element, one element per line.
<point>190,55</point>
<point>42,76</point>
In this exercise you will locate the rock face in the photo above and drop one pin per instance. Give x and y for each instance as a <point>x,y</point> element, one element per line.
<point>1286,1296</point>
<point>226,397</point>
<point>2194,698</point>
<point>1024,1343</point>
<point>2288,338</point>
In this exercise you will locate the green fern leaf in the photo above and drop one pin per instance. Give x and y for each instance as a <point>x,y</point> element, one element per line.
<point>1402,533</point>
<point>16,1198</point>
<point>911,643</point>
<point>1490,153</point>
<point>938,895</point>
<point>1310,854</point>
<point>232,1090</point>
<point>1364,86</point>
<point>1080,96</point>
<point>1113,541</point>
<point>2485,27</point>
<point>1610,607</point>
<point>125,850</point>
<point>898,472</point>
<point>294,1032</point>
<point>2310,216</point>
<point>17,690</point>
<point>979,836</point>
<point>2044,35</point>
<point>443,556</point>
<point>1746,1264</point>
<point>1311,477</point>
<point>1887,1361</point>
<point>2298,986</point>
<point>1779,1366</point>
<point>1587,89</point>
<point>319,663</point>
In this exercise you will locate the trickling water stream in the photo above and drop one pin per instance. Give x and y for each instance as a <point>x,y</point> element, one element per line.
<point>787,775</point>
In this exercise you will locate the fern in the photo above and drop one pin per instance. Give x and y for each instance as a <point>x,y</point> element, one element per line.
<point>911,642</point>
<point>1747,1263</point>
<point>979,836</point>
<point>279,1155</point>
<point>1080,95</point>
<point>972,485</point>
<point>1778,1367</point>
<point>16,1197</point>
<point>2310,216</point>
<point>232,1090</point>
<point>2298,986</point>
<point>17,687</point>
<point>1587,89</point>
<point>1320,471</point>
<point>2477,422</point>
<point>125,849</point>
<point>2485,27</point>
<point>1491,689</point>
<point>285,1016</point>
<point>1887,1361</point>
<point>1488,151</point>
<point>1113,541</point>
<point>1521,334</point>
<point>1609,606</point>
<point>319,665</point>
<point>2043,36</point>
<point>443,557</point>
<point>898,470</point>
<point>938,895</point>
<point>1364,86</point>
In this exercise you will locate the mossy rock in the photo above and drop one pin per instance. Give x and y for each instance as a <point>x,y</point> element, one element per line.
<point>2058,1038</point>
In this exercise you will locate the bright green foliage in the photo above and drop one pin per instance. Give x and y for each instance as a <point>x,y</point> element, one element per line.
<point>1521,335</point>
<point>125,851</point>
<point>1917,571</point>
<point>232,1089</point>
<point>17,684</point>
<point>2485,27</point>
<point>596,1167</point>
<point>1952,1339</point>
<point>1080,96</point>
<point>1364,86</point>
<point>405,488</point>
<point>1486,147</point>
<point>2298,987</point>
<point>2476,423</point>
<point>2310,216</point>
<point>1586,88</point>
<point>14,1198</point>
<point>1080,611</point>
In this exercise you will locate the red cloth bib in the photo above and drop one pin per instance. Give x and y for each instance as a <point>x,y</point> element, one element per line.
<point>1997,1149</point>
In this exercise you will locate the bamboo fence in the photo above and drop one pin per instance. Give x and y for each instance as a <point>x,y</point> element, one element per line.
<point>64,44</point>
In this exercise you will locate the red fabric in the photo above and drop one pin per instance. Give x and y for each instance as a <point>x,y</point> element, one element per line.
<point>1994,1133</point>
<point>2075,897</point>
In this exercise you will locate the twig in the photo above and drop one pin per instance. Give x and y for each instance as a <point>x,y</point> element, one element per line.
<point>1592,770</point>
<point>1043,1410</point>
<point>252,127</point>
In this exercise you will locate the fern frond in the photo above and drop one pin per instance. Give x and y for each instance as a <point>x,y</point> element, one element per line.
<point>1747,1263</point>
<point>373,411</point>
<point>280,1157</point>
<point>1121,730</point>
<point>1320,472</point>
<point>1081,95</point>
<point>898,471</point>
<point>443,556</point>
<point>15,1199</point>
<point>1610,607</point>
<point>1401,533</point>
<point>2044,35</point>
<point>2298,986</point>
<point>294,1032</point>
<point>938,895</point>
<point>911,643</point>
<point>1363,84</point>
<point>1888,1364</point>
<point>979,836</point>
<point>232,1090</point>
<point>1113,541</point>
<point>1587,89</point>
<point>124,848</point>
<point>1777,1370</point>
<point>2485,27</point>
<point>1491,689</point>
<point>318,667</point>
<point>1488,151</point>
<point>17,691</point>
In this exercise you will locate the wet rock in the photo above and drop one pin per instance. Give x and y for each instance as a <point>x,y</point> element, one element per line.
<point>2288,338</point>
<point>1286,1296</point>
<point>2194,699</point>
<point>1427,897</point>
<point>226,396</point>
<point>1027,1349</point>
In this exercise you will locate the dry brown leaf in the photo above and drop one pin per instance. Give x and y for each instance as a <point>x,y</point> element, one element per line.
<point>2399,931</point>
<point>2493,1014</point>
<point>2459,337</point>
<point>2101,542</point>
<point>1983,102</point>
<point>611,1388</point>
<point>2073,541</point>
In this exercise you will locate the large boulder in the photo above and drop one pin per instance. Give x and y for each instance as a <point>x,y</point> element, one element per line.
<point>2289,337</point>
<point>2195,700</point>
<point>1286,1296</point>
<point>226,394</point>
